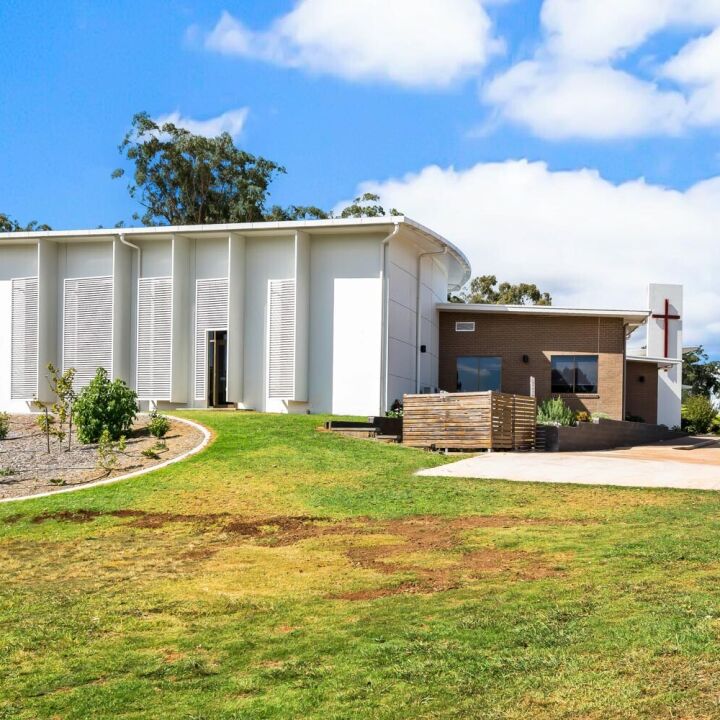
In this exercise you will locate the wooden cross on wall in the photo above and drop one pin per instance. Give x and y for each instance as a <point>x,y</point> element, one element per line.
<point>667,317</point>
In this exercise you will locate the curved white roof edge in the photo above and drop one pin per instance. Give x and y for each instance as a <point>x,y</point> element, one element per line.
<point>287,225</point>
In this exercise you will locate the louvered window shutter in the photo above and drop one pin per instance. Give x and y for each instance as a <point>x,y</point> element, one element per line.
<point>211,313</point>
<point>154,338</point>
<point>24,339</point>
<point>281,338</point>
<point>87,327</point>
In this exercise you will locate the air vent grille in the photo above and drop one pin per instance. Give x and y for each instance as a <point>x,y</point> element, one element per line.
<point>24,339</point>
<point>154,338</point>
<point>87,327</point>
<point>281,338</point>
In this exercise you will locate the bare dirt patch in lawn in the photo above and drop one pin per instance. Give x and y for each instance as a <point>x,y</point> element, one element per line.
<point>424,554</point>
<point>26,468</point>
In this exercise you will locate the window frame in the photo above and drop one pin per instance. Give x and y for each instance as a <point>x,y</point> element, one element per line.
<point>574,357</point>
<point>478,357</point>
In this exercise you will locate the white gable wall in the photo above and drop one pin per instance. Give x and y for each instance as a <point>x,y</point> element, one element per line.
<point>15,262</point>
<point>402,316</point>
<point>345,324</point>
<point>266,258</point>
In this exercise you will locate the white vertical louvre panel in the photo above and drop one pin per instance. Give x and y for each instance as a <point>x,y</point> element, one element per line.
<point>24,340</point>
<point>87,327</point>
<point>281,338</point>
<point>154,338</point>
<point>211,313</point>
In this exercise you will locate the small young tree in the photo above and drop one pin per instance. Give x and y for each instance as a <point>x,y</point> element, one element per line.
<point>107,451</point>
<point>104,404</point>
<point>4,425</point>
<point>45,421</point>
<point>698,414</point>
<point>61,384</point>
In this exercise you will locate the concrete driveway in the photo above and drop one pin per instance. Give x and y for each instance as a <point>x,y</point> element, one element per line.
<point>691,463</point>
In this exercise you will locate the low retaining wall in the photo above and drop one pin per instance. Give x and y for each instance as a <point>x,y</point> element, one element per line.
<point>602,435</point>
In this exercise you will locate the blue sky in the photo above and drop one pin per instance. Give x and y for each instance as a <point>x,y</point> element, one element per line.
<point>585,128</point>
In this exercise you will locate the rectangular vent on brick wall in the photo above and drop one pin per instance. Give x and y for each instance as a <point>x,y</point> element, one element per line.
<point>24,339</point>
<point>281,338</point>
<point>154,338</point>
<point>464,326</point>
<point>211,313</point>
<point>87,327</point>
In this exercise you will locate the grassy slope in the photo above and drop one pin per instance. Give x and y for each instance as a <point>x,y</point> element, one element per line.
<point>583,602</point>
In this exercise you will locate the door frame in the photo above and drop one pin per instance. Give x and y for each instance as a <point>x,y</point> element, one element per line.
<point>207,366</point>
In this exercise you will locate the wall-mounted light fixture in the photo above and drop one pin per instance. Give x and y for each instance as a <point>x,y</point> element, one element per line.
<point>526,359</point>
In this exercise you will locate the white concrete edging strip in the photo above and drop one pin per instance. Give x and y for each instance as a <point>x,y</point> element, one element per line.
<point>107,481</point>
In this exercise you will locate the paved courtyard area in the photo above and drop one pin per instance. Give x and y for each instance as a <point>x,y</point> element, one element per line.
<point>690,463</point>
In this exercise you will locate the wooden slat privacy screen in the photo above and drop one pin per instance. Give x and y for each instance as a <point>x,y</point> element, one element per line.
<point>470,421</point>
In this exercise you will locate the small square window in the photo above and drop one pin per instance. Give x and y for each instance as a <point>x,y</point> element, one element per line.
<point>465,326</point>
<point>574,373</point>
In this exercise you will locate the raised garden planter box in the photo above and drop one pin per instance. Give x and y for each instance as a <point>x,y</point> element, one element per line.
<point>602,435</point>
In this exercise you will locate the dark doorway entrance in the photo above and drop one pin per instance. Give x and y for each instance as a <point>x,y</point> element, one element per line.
<point>217,368</point>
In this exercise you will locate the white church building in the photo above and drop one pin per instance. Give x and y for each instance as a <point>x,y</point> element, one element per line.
<point>285,317</point>
<point>340,316</point>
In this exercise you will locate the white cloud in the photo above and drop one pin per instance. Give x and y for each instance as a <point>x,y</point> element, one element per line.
<point>697,65</point>
<point>570,87</point>
<point>588,241</point>
<point>415,44</point>
<point>596,30</point>
<point>582,100</point>
<point>231,122</point>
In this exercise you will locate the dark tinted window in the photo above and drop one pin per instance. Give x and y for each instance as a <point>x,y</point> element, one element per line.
<point>574,373</point>
<point>478,373</point>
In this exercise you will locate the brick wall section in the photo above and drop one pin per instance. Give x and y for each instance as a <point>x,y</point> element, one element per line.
<point>538,337</point>
<point>641,397</point>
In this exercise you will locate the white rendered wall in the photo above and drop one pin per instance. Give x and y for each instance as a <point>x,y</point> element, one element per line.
<point>266,258</point>
<point>123,364</point>
<point>182,336</point>
<point>15,262</point>
<point>236,318</point>
<point>156,257</point>
<point>402,322</point>
<point>669,380</point>
<point>48,253</point>
<point>345,324</point>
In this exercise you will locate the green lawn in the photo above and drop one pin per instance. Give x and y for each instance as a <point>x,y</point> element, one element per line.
<point>286,573</point>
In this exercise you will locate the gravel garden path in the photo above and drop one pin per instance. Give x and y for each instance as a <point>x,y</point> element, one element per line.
<point>26,468</point>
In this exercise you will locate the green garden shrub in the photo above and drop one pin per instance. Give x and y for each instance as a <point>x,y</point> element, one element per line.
<point>104,405</point>
<point>158,425</point>
<point>698,414</point>
<point>4,425</point>
<point>555,412</point>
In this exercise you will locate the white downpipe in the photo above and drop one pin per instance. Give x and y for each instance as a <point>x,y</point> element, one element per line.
<point>385,330</point>
<point>121,237</point>
<point>418,312</point>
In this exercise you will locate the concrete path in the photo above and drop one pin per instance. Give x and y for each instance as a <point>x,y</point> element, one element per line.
<point>657,466</point>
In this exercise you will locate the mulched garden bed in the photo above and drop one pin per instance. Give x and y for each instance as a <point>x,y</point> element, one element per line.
<point>26,467</point>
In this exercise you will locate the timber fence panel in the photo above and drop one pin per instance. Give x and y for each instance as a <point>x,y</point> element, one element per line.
<point>469,421</point>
